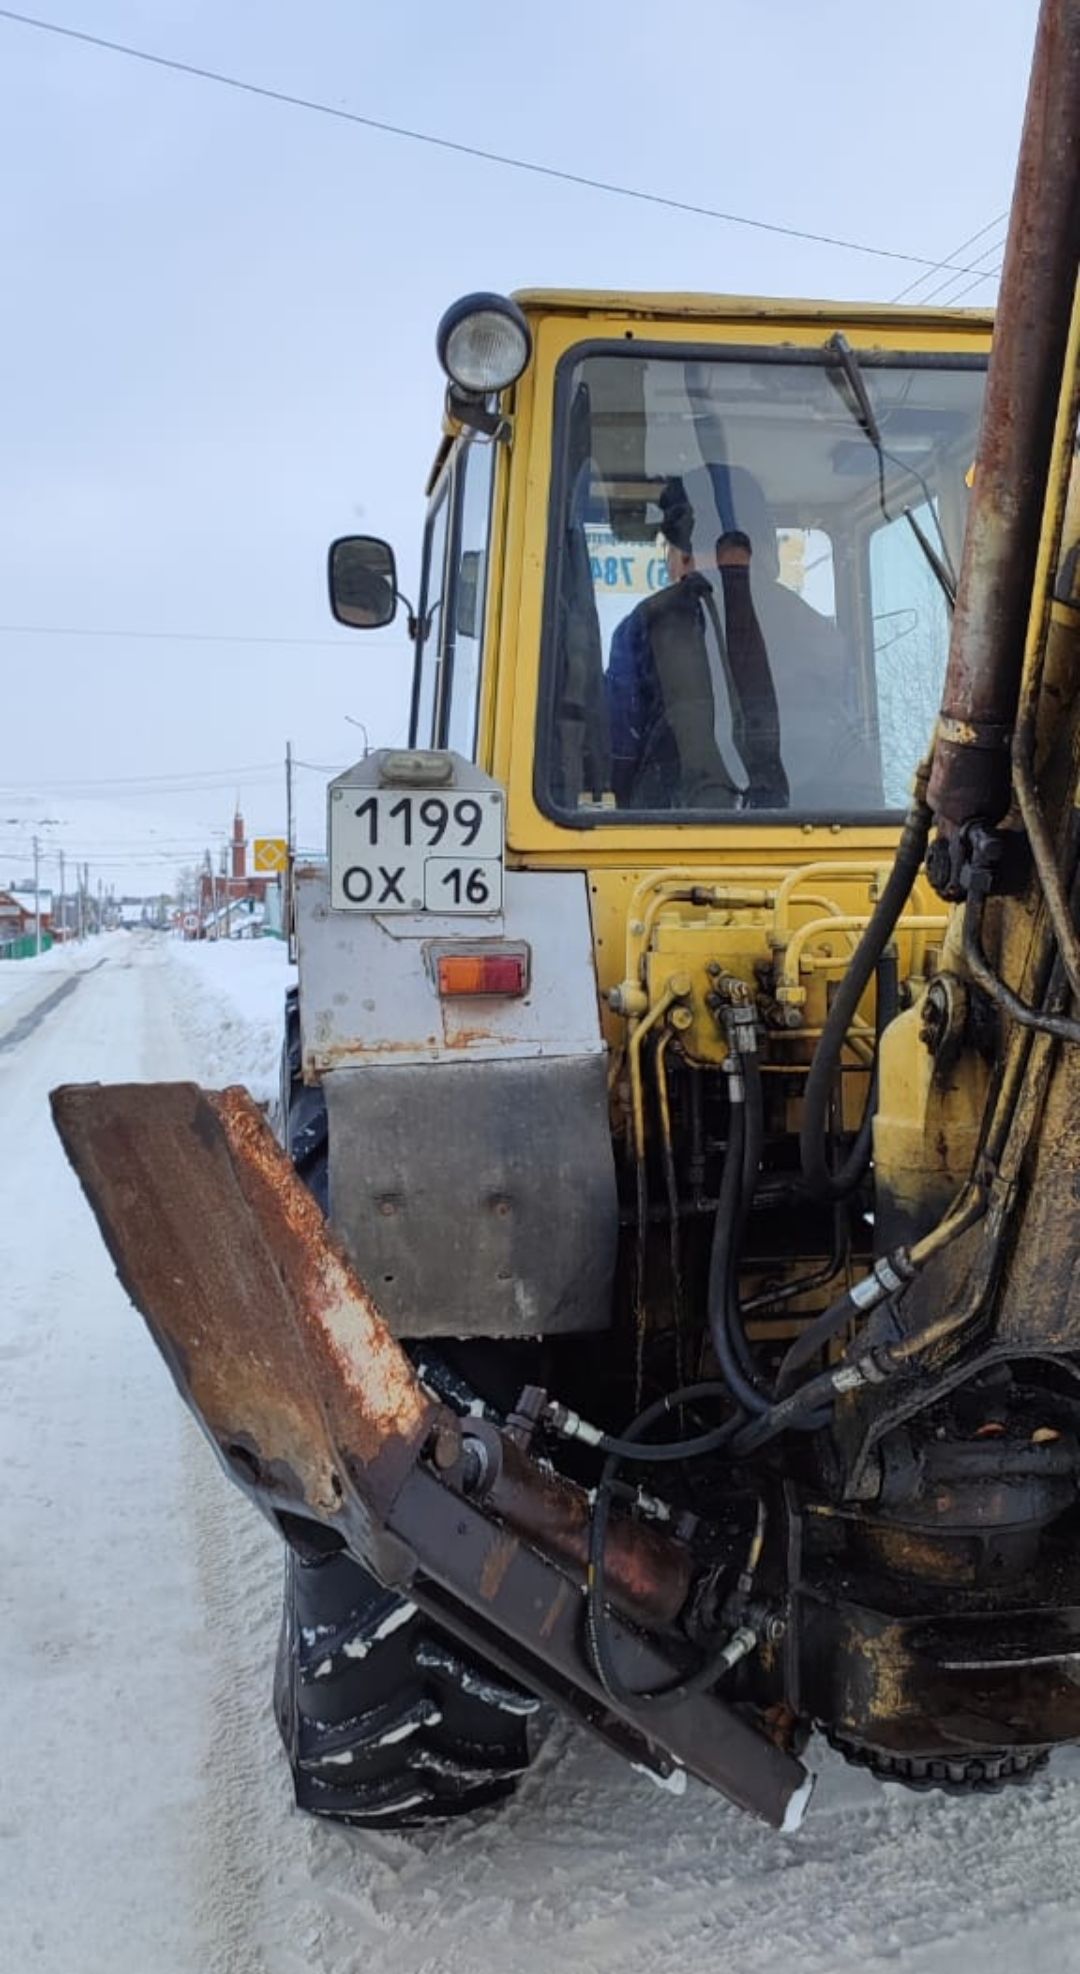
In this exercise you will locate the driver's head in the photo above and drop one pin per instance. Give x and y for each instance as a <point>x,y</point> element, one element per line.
<point>743,510</point>
<point>677,528</point>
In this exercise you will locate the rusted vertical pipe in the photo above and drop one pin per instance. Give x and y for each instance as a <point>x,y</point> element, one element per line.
<point>970,779</point>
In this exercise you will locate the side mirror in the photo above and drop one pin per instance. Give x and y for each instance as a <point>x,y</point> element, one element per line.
<point>363,582</point>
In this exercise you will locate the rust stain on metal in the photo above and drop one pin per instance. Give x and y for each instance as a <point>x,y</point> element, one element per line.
<point>647,1572</point>
<point>555,1610</point>
<point>888,1663</point>
<point>270,1336</point>
<point>343,1055</point>
<point>496,1563</point>
<point>469,1038</point>
<point>913,1553</point>
<point>971,765</point>
<point>780,1722</point>
<point>338,1315</point>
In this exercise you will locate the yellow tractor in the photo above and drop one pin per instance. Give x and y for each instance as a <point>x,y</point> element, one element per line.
<point>660,1296</point>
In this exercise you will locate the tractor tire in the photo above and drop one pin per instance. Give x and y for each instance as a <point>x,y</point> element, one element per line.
<point>387,1722</point>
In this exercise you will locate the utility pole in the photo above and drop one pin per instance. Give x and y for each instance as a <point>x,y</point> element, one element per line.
<point>60,916</point>
<point>37,898</point>
<point>290,849</point>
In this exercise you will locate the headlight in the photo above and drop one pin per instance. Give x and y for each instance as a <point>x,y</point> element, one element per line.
<point>483,343</point>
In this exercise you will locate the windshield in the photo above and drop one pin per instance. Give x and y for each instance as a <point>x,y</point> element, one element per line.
<point>747,602</point>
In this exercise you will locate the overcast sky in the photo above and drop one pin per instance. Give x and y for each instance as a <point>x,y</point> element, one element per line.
<point>218,311</point>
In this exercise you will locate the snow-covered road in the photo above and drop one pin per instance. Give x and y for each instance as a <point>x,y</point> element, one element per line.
<point>145,1818</point>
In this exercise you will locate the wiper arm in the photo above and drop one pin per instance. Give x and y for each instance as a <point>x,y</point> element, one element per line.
<point>867,419</point>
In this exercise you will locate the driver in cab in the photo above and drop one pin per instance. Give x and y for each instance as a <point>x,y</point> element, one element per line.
<point>660,683</point>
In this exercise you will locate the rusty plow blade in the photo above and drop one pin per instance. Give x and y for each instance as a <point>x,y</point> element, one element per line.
<point>315,1411</point>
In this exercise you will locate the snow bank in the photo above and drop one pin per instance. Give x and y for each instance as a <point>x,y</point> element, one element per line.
<point>38,975</point>
<point>229,999</point>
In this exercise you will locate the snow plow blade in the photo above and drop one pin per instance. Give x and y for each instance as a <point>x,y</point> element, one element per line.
<point>317,1414</point>
<point>271,1340</point>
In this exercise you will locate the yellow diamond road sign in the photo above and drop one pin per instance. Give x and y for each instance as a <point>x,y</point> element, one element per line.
<point>271,853</point>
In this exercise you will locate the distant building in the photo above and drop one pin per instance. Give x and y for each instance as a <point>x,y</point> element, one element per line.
<point>133,912</point>
<point>232,905</point>
<point>18,913</point>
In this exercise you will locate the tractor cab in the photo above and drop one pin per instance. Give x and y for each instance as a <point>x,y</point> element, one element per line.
<point>695,571</point>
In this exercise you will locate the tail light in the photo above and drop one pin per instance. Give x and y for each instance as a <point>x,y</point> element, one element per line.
<point>464,972</point>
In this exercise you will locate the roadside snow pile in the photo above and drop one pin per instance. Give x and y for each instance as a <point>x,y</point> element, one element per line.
<point>229,997</point>
<point>37,975</point>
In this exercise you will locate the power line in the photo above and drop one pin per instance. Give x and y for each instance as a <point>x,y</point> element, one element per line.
<point>990,275</point>
<point>185,637</point>
<point>193,781</point>
<point>132,853</point>
<point>115,861</point>
<point>112,846</point>
<point>188,781</point>
<point>466,150</point>
<point>949,258</point>
<point>952,282</point>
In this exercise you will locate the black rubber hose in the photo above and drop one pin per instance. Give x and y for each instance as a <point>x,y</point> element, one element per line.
<point>753,1147</point>
<point>888,990</point>
<point>843,1310</point>
<point>596,1618</point>
<point>807,1408</point>
<point>1059,1025</point>
<point>780,1292</point>
<point>814,1338</point>
<point>669,1451</point>
<point>597,1626</point>
<point>754,1131</point>
<point>813,1136</point>
<point>846,1178</point>
<point>628,1447</point>
<point>721,1287</point>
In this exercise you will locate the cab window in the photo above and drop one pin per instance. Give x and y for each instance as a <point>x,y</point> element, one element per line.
<point>429,637</point>
<point>739,613</point>
<point>464,629</point>
<point>447,674</point>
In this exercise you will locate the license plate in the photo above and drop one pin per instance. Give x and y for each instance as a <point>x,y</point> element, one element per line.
<point>402,850</point>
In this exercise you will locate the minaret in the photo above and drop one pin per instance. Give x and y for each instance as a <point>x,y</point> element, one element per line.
<point>239,847</point>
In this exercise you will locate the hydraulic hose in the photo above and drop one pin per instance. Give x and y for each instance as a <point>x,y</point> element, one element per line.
<point>814,1338</point>
<point>753,1142</point>
<point>818,1177</point>
<point>754,1131</point>
<point>807,1407</point>
<point>722,1260</point>
<point>1059,1025</point>
<point>888,1001</point>
<point>596,1621</point>
<point>664,1452</point>
<point>778,1293</point>
<point>889,1276</point>
<point>753,1147</point>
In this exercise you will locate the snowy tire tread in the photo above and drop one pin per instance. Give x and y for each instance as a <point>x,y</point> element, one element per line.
<point>385,1723</point>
